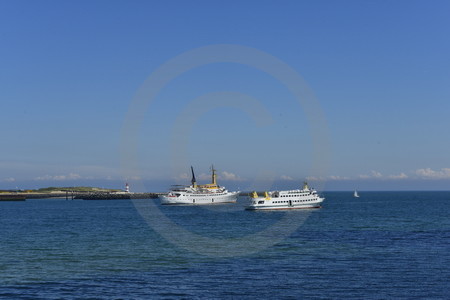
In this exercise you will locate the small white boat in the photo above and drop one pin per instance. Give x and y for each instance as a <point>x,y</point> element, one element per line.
<point>355,194</point>
<point>291,199</point>
<point>199,194</point>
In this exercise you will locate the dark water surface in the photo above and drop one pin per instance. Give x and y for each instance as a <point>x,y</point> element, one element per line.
<point>383,245</point>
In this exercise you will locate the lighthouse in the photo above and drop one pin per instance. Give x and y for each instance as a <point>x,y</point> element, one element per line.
<point>127,188</point>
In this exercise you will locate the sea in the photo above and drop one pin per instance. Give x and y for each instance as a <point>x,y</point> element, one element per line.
<point>383,245</point>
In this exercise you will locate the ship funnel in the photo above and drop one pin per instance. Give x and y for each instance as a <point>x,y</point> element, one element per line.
<point>305,186</point>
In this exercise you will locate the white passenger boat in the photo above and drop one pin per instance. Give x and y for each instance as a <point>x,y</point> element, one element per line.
<point>199,194</point>
<point>292,199</point>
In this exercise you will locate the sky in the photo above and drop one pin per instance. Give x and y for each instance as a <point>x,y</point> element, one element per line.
<point>374,78</point>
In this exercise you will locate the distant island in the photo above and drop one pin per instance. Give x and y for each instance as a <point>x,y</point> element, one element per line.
<point>79,192</point>
<point>85,189</point>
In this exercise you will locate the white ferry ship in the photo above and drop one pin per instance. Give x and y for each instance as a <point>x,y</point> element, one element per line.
<point>199,194</point>
<point>292,199</point>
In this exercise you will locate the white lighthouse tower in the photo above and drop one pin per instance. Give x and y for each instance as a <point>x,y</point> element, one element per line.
<point>127,188</point>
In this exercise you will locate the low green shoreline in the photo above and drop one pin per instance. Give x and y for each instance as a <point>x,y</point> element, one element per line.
<point>71,193</point>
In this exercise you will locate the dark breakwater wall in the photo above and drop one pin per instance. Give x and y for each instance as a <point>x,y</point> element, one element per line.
<point>12,198</point>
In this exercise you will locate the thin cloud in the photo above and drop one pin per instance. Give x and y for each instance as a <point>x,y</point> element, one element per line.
<point>373,174</point>
<point>9,179</point>
<point>334,177</point>
<point>399,176</point>
<point>285,177</point>
<point>204,176</point>
<point>428,173</point>
<point>229,176</point>
<point>331,177</point>
<point>183,176</point>
<point>425,173</point>
<point>71,176</point>
<point>313,178</point>
<point>207,177</point>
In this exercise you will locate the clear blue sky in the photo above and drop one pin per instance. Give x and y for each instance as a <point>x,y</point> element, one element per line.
<point>69,71</point>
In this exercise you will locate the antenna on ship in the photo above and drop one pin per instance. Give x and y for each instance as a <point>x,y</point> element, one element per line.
<point>194,182</point>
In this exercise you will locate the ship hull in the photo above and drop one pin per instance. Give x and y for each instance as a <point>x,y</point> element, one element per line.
<point>263,204</point>
<point>284,207</point>
<point>199,199</point>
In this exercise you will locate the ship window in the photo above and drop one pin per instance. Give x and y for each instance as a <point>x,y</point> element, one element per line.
<point>260,202</point>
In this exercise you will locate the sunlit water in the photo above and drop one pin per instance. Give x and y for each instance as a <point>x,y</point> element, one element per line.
<point>382,245</point>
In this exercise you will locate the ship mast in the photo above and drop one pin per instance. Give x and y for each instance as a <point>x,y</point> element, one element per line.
<point>214,176</point>
<point>193,181</point>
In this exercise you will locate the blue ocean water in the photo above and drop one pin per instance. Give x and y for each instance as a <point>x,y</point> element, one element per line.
<point>383,245</point>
